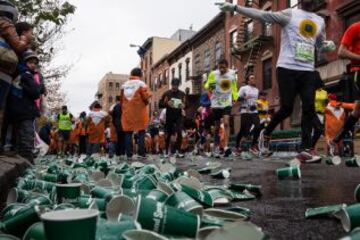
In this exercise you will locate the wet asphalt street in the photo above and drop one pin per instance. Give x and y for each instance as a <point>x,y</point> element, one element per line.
<point>280,212</point>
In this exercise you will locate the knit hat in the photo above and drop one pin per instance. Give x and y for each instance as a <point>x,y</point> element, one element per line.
<point>8,10</point>
<point>29,54</point>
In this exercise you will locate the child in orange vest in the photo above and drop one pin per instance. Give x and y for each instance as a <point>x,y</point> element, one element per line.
<point>96,129</point>
<point>335,115</point>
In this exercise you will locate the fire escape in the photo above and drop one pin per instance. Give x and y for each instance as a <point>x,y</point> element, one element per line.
<point>250,46</point>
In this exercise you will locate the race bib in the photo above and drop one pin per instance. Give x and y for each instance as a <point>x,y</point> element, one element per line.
<point>304,52</point>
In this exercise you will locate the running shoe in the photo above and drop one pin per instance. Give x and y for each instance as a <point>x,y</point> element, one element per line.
<point>308,156</point>
<point>179,155</point>
<point>255,150</point>
<point>264,144</point>
<point>237,152</point>
<point>227,152</point>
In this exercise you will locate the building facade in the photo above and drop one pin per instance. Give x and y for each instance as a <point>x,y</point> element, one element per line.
<point>208,47</point>
<point>109,87</point>
<point>180,62</point>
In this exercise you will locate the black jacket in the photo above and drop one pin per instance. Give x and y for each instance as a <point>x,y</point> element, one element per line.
<point>116,117</point>
<point>23,93</point>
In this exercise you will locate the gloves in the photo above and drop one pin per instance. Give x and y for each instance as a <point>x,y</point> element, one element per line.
<point>328,46</point>
<point>226,7</point>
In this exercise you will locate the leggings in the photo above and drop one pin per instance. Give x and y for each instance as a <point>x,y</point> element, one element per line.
<point>249,121</point>
<point>291,84</point>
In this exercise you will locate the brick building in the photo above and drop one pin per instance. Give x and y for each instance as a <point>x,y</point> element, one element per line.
<point>161,75</point>
<point>155,51</point>
<point>252,46</point>
<point>109,87</point>
<point>208,47</point>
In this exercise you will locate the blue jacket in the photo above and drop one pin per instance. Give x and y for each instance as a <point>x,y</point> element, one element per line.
<point>23,93</point>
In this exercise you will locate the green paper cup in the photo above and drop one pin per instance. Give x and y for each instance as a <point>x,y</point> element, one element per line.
<point>19,220</point>
<point>354,235</point>
<point>165,188</point>
<point>225,215</point>
<point>201,196</point>
<point>68,193</point>
<point>255,189</point>
<point>88,202</point>
<point>104,183</point>
<point>239,231</point>
<point>17,195</point>
<point>336,160</point>
<point>183,201</point>
<point>350,217</point>
<point>8,237</point>
<point>157,195</point>
<point>289,172</point>
<point>119,205</point>
<point>96,176</point>
<point>220,197</point>
<point>77,224</point>
<point>221,174</point>
<point>64,206</point>
<point>35,232</point>
<point>114,230</point>
<point>324,211</point>
<point>142,235</point>
<point>147,182</point>
<point>205,231</point>
<point>115,179</point>
<point>157,217</point>
<point>357,193</point>
<point>190,182</point>
<point>100,192</point>
<point>48,177</point>
<point>353,162</point>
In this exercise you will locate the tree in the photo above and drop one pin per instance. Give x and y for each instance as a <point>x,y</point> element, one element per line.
<point>49,18</point>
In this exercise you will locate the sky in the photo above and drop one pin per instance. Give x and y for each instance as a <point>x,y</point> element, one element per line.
<point>100,32</point>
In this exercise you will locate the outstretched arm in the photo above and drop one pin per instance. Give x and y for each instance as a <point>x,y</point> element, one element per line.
<point>280,17</point>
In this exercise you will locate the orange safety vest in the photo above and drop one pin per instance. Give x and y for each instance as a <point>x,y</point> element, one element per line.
<point>135,97</point>
<point>335,117</point>
<point>96,133</point>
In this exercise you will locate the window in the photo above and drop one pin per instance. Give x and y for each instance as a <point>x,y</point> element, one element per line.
<point>187,69</point>
<point>165,77</point>
<point>180,72</point>
<point>293,3</point>
<point>233,38</point>
<point>218,52</point>
<point>172,73</point>
<point>267,29</point>
<point>117,86</point>
<point>110,100</point>
<point>249,29</point>
<point>207,60</point>
<point>267,74</point>
<point>160,80</point>
<point>111,86</point>
<point>197,64</point>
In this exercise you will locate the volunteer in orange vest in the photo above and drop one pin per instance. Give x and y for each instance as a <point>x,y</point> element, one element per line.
<point>96,129</point>
<point>335,116</point>
<point>135,99</point>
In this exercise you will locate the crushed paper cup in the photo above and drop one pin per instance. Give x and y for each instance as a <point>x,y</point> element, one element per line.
<point>119,205</point>
<point>289,172</point>
<point>350,217</point>
<point>323,211</point>
<point>225,214</point>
